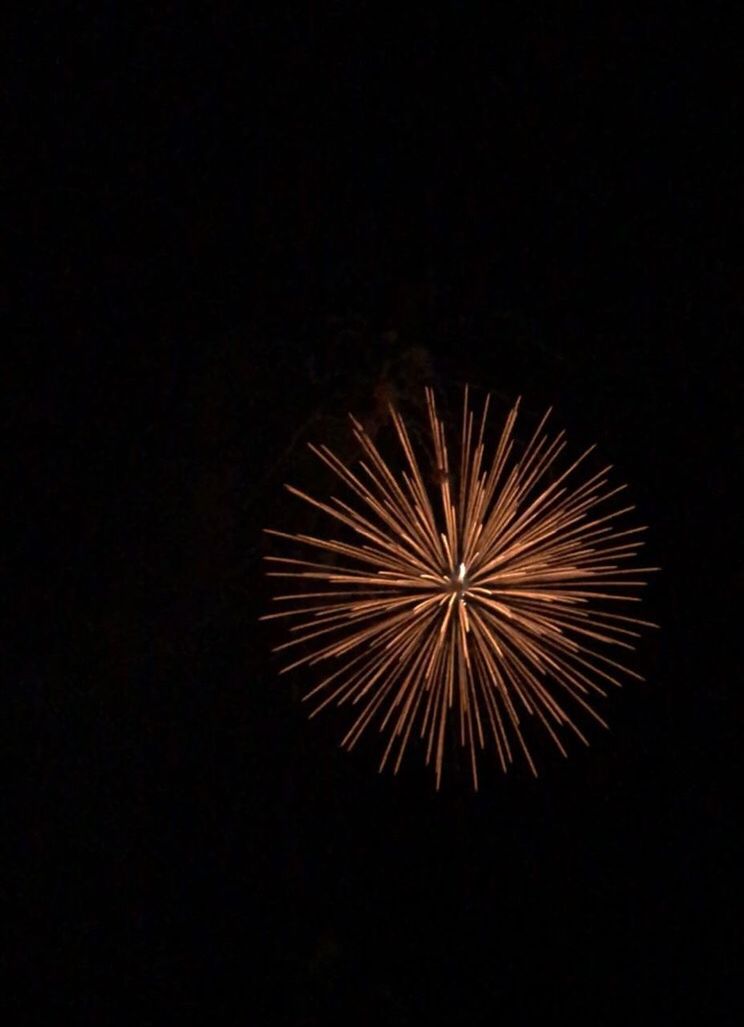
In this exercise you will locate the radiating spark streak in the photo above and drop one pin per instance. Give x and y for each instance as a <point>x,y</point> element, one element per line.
<point>481,600</point>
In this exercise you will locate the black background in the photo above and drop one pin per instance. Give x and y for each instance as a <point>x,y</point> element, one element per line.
<point>228,229</point>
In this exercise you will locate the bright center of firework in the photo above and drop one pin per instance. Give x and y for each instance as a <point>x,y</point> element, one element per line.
<point>459,580</point>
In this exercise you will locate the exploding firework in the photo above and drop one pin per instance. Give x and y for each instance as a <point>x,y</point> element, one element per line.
<point>480,601</point>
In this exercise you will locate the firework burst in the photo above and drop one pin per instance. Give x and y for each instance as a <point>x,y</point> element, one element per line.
<point>481,601</point>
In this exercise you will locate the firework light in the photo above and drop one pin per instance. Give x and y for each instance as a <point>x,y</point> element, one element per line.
<point>476,603</point>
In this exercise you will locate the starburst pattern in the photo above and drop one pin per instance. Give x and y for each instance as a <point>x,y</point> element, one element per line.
<point>483,600</point>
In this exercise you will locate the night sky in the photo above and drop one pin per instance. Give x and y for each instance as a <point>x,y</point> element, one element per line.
<point>228,230</point>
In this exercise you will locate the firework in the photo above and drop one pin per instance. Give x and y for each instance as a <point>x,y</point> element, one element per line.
<point>475,598</point>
